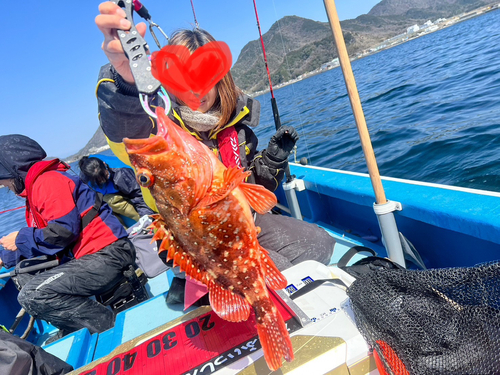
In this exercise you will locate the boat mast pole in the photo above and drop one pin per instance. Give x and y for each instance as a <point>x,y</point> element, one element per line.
<point>383,208</point>
<point>291,184</point>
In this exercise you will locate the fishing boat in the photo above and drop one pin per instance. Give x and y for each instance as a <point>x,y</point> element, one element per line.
<point>443,227</point>
<point>437,219</point>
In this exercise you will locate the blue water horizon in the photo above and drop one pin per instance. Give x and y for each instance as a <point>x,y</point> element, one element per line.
<point>430,105</point>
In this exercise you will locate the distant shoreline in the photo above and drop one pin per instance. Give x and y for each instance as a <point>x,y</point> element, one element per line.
<point>443,25</point>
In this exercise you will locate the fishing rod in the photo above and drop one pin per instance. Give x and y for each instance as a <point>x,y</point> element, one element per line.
<point>194,15</point>
<point>291,183</point>
<point>277,120</point>
<point>383,208</point>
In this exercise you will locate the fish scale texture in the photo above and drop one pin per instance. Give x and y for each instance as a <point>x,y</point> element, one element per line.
<point>440,321</point>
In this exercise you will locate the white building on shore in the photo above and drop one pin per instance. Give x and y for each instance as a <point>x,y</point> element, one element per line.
<point>412,29</point>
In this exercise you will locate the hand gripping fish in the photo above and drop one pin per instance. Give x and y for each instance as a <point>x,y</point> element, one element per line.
<point>207,228</point>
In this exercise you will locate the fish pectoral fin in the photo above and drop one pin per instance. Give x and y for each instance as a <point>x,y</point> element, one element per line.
<point>227,305</point>
<point>259,198</point>
<point>274,278</point>
<point>232,178</point>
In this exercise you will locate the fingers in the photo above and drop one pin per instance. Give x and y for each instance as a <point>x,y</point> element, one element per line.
<point>111,17</point>
<point>113,46</point>
<point>141,28</point>
<point>288,131</point>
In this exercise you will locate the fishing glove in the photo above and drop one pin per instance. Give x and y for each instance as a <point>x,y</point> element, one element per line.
<point>280,146</point>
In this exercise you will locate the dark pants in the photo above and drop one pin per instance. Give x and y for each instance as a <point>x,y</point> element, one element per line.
<point>61,295</point>
<point>291,241</point>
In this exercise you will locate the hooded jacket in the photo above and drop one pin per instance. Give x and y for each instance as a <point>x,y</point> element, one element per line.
<point>122,182</point>
<point>56,201</point>
<point>121,115</point>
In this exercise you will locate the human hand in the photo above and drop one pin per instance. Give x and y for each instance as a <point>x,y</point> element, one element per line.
<point>282,143</point>
<point>9,241</point>
<point>111,18</point>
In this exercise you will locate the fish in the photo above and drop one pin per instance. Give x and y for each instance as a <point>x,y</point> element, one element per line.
<point>207,227</point>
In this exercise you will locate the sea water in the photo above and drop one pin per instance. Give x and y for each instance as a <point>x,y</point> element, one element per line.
<point>431,105</point>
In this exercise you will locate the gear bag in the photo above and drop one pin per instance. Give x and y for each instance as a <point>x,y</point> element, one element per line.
<point>146,252</point>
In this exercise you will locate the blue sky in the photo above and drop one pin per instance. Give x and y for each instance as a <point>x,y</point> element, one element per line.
<point>51,56</point>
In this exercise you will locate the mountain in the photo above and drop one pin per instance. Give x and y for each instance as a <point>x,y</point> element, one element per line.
<point>96,144</point>
<point>296,45</point>
<point>410,8</point>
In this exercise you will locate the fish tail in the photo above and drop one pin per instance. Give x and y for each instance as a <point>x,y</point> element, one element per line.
<point>275,340</point>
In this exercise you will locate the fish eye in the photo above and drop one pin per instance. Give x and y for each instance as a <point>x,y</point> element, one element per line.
<point>144,178</point>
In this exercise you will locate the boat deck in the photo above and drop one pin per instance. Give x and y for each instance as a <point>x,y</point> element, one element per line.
<point>81,348</point>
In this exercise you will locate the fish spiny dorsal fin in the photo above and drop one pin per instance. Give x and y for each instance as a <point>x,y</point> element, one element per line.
<point>232,178</point>
<point>186,263</point>
<point>274,278</point>
<point>160,234</point>
<point>227,305</point>
<point>259,198</point>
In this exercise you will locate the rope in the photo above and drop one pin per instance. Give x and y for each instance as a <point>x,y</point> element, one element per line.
<point>12,209</point>
<point>194,15</point>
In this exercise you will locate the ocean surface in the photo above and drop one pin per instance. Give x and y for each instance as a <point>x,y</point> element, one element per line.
<point>432,106</point>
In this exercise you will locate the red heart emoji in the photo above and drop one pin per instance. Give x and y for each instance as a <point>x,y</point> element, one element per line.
<point>189,77</point>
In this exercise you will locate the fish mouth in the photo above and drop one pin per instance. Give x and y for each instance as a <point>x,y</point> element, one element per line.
<point>142,146</point>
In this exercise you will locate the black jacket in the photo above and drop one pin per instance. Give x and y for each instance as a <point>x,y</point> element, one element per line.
<point>125,184</point>
<point>121,115</point>
<point>20,357</point>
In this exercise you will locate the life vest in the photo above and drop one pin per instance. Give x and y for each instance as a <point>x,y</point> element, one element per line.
<point>33,218</point>
<point>229,149</point>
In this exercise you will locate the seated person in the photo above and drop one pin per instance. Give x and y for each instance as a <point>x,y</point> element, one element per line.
<point>67,221</point>
<point>118,186</point>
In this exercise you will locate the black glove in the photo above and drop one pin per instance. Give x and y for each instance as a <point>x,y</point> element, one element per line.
<point>281,145</point>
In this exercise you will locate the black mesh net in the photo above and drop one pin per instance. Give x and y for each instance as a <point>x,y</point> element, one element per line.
<point>443,321</point>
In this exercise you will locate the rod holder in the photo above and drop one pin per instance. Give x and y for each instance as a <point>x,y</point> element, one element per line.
<point>290,188</point>
<point>389,230</point>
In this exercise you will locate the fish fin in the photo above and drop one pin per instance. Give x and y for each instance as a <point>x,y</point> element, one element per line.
<point>167,248</point>
<point>275,339</point>
<point>186,263</point>
<point>274,278</point>
<point>160,234</point>
<point>227,305</point>
<point>259,198</point>
<point>232,178</point>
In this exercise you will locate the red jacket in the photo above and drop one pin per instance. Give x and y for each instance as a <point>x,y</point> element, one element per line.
<point>56,201</point>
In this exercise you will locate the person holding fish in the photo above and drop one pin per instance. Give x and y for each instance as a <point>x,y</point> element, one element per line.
<point>223,122</point>
<point>198,162</point>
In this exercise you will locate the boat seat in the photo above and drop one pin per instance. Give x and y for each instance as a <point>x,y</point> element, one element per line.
<point>128,292</point>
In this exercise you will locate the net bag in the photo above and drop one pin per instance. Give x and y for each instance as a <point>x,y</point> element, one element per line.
<point>442,321</point>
